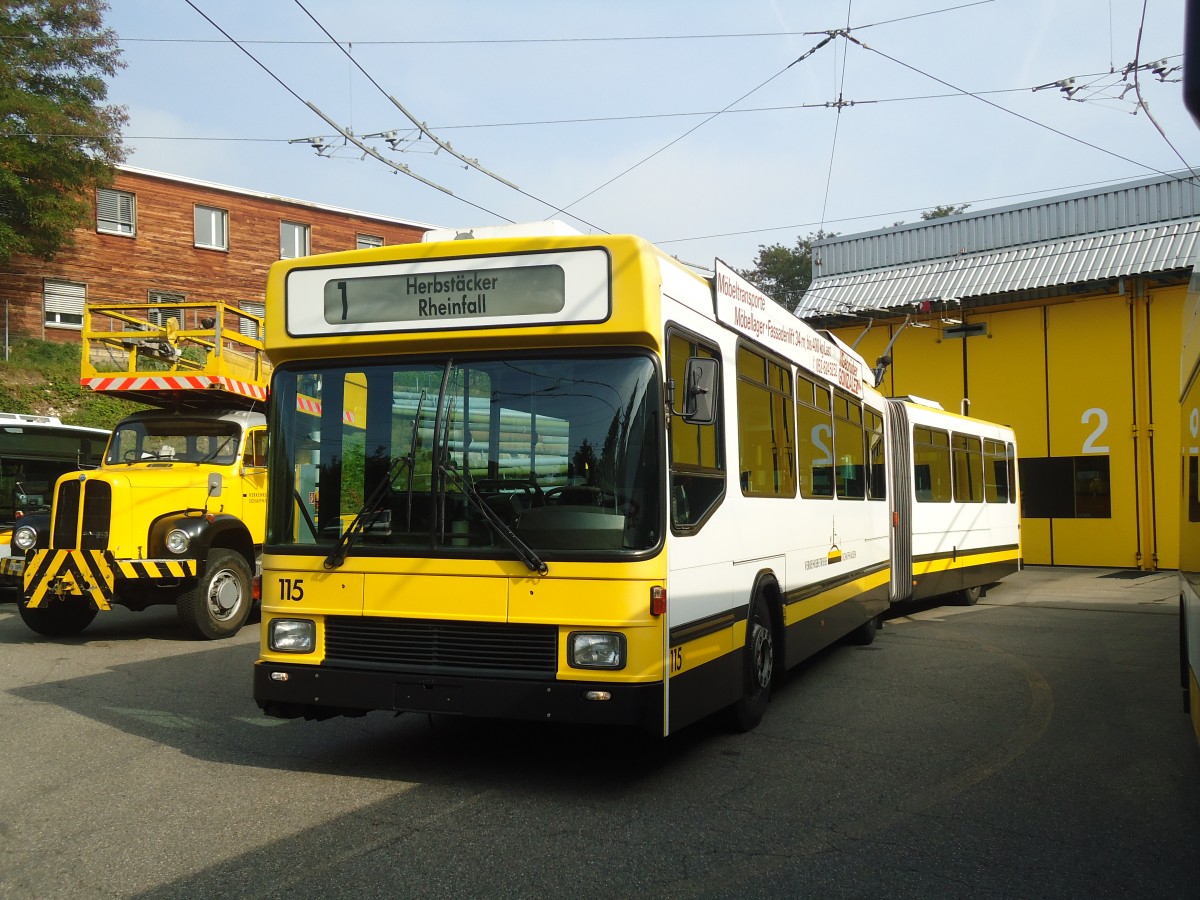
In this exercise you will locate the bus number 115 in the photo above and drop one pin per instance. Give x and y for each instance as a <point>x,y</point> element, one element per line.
<point>291,589</point>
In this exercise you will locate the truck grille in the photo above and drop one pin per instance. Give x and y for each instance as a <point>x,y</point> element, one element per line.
<point>424,645</point>
<point>95,499</point>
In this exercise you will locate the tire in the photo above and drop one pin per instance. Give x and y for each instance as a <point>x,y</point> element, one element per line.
<point>758,668</point>
<point>58,618</point>
<point>219,603</point>
<point>968,596</point>
<point>864,634</point>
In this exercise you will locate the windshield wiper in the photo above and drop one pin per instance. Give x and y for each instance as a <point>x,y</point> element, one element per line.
<point>445,468</point>
<point>308,519</point>
<point>412,455</point>
<point>437,485</point>
<point>222,446</point>
<point>531,559</point>
<point>444,464</point>
<point>366,515</point>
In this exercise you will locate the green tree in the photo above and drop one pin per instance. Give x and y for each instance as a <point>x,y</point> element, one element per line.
<point>58,138</point>
<point>784,273</point>
<point>942,212</point>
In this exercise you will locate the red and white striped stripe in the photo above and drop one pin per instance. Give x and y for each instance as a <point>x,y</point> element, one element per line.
<point>176,383</point>
<point>313,408</point>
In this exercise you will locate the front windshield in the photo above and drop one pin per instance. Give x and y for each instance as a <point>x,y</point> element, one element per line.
<point>175,439</point>
<point>565,452</point>
<point>31,460</point>
<point>27,485</point>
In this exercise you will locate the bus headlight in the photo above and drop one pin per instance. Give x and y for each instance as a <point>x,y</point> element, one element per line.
<point>596,650</point>
<point>178,541</point>
<point>24,538</point>
<point>292,635</point>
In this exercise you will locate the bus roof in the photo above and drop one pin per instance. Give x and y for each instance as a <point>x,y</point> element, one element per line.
<point>24,422</point>
<point>522,285</point>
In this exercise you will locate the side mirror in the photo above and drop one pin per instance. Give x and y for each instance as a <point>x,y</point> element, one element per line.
<point>700,391</point>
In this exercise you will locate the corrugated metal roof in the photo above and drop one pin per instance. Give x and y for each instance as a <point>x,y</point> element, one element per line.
<point>1143,203</point>
<point>1094,257</point>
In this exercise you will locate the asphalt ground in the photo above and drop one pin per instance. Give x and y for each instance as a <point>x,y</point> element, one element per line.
<point>1029,746</point>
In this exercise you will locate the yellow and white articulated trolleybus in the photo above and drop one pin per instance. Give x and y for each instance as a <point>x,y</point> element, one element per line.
<point>546,476</point>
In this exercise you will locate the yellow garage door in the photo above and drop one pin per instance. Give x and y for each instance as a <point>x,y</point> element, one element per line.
<point>1087,487</point>
<point>1007,379</point>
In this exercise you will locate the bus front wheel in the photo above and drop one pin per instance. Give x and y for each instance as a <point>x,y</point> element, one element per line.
<point>758,668</point>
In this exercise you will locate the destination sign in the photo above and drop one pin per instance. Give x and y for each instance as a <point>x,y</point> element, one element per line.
<point>422,294</point>
<point>463,294</point>
<point>745,308</point>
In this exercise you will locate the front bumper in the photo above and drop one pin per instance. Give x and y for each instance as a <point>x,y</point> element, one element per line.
<point>319,692</point>
<point>95,575</point>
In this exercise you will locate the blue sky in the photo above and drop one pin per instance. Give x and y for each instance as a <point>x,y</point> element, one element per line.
<point>700,125</point>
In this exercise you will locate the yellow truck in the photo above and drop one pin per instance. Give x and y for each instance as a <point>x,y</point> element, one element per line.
<point>176,512</point>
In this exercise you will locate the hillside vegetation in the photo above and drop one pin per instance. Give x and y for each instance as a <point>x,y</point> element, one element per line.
<point>42,378</point>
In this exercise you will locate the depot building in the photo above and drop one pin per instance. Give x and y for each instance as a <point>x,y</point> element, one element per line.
<point>1059,317</point>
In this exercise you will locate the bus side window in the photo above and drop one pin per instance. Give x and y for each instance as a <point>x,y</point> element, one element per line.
<point>923,482</point>
<point>931,464</point>
<point>814,416</point>
<point>697,465</point>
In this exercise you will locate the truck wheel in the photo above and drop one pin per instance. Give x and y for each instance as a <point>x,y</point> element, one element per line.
<point>57,618</point>
<point>219,603</point>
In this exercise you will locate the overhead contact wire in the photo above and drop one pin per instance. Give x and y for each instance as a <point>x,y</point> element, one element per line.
<point>343,132</point>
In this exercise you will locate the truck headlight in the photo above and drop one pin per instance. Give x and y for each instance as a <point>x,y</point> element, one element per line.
<point>292,635</point>
<point>178,541</point>
<point>596,650</point>
<point>24,538</point>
